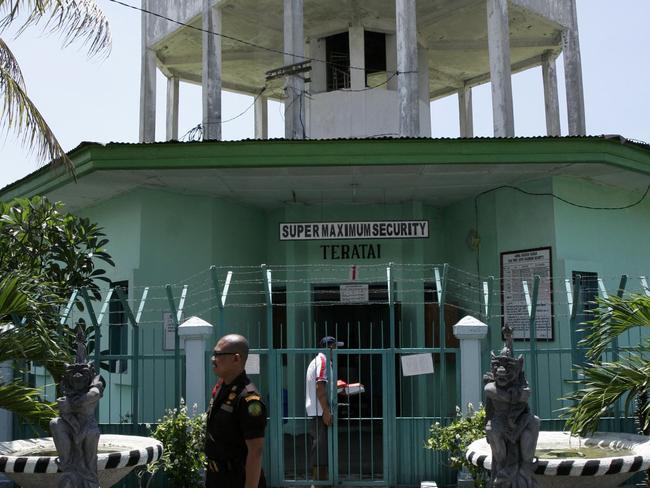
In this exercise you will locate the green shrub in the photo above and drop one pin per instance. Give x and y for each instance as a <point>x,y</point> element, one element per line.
<point>183,439</point>
<point>456,437</point>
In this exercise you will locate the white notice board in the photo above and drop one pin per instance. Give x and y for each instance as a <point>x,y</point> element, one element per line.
<point>520,266</point>
<point>417,364</point>
<point>357,293</point>
<point>169,332</point>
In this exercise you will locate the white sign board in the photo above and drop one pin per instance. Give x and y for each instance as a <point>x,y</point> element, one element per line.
<point>253,364</point>
<point>169,332</point>
<point>417,364</point>
<point>520,266</point>
<point>354,293</point>
<point>323,231</point>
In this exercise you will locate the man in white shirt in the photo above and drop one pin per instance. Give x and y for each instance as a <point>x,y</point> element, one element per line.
<point>318,407</point>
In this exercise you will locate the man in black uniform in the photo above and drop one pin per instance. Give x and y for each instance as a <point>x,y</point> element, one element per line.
<point>236,421</point>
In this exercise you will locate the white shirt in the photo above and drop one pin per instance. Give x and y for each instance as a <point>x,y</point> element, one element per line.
<point>317,371</point>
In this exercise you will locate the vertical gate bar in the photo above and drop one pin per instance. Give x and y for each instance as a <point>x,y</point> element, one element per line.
<point>619,293</point>
<point>97,333</point>
<point>93,319</point>
<point>135,339</point>
<point>372,415</point>
<point>177,352</point>
<point>533,341</point>
<point>615,352</point>
<point>573,299</point>
<point>390,417</point>
<point>442,334</point>
<point>332,440</point>
<point>387,365</point>
<point>275,395</point>
<point>217,331</point>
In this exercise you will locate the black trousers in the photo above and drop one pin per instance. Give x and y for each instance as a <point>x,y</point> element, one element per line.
<point>230,479</point>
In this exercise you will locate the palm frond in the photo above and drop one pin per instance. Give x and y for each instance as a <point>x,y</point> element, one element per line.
<point>613,317</point>
<point>12,300</point>
<point>73,19</point>
<point>18,113</point>
<point>10,64</point>
<point>26,403</point>
<point>601,386</point>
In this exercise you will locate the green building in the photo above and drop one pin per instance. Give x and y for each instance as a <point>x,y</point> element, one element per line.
<point>375,241</point>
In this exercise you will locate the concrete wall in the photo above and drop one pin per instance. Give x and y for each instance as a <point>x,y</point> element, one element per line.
<point>556,10</point>
<point>359,114</point>
<point>183,11</point>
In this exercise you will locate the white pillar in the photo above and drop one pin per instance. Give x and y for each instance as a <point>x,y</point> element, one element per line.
<point>6,417</point>
<point>194,332</point>
<point>318,74</point>
<point>573,77</point>
<point>211,77</point>
<point>261,118</point>
<point>172,109</point>
<point>470,331</point>
<point>551,99</point>
<point>357,57</point>
<point>407,67</point>
<point>391,61</point>
<point>147,84</point>
<point>466,111</point>
<point>500,71</point>
<point>294,46</point>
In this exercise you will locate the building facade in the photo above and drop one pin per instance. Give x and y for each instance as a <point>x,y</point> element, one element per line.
<point>385,243</point>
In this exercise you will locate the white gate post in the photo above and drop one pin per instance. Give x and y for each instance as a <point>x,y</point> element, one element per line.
<point>194,332</point>
<point>470,331</point>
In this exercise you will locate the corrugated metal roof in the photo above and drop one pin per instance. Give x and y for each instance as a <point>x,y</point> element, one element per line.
<point>385,139</point>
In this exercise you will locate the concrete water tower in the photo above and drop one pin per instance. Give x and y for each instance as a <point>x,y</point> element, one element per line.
<point>358,68</point>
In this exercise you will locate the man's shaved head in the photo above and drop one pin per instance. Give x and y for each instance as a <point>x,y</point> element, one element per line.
<point>235,343</point>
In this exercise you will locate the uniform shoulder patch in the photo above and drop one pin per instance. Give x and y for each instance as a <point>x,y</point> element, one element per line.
<point>250,398</point>
<point>255,408</point>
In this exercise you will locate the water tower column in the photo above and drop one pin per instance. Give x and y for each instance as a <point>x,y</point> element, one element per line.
<point>294,48</point>
<point>573,77</point>
<point>499,53</point>
<point>172,109</point>
<point>466,113</point>
<point>551,100</point>
<point>147,83</point>
<point>261,118</point>
<point>357,58</point>
<point>211,77</point>
<point>407,67</point>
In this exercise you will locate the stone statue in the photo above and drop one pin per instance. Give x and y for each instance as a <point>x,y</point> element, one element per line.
<point>511,429</point>
<point>75,432</point>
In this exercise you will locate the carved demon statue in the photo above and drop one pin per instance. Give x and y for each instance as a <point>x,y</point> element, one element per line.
<point>75,431</point>
<point>511,429</point>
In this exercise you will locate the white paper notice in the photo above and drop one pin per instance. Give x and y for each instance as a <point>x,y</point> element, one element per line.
<point>416,364</point>
<point>169,336</point>
<point>354,293</point>
<point>253,364</point>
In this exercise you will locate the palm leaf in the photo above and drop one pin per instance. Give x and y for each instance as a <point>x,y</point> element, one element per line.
<point>32,343</point>
<point>12,300</point>
<point>26,403</point>
<point>602,385</point>
<point>19,113</point>
<point>73,19</point>
<point>613,317</point>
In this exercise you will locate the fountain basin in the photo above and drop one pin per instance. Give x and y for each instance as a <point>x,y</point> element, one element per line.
<point>622,456</point>
<point>30,464</point>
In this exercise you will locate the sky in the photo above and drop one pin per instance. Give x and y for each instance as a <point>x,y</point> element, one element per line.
<point>97,99</point>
